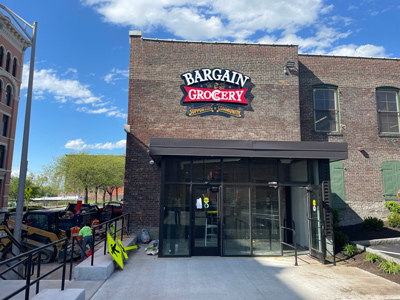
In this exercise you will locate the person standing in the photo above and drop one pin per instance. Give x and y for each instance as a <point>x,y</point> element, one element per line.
<point>86,233</point>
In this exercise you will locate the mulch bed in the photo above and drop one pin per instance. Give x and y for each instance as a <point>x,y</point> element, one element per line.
<point>358,233</point>
<point>358,262</point>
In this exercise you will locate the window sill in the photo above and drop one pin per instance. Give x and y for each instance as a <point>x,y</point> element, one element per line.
<point>390,135</point>
<point>329,133</point>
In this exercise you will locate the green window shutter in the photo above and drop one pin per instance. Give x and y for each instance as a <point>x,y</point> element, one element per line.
<point>391,179</point>
<point>337,185</point>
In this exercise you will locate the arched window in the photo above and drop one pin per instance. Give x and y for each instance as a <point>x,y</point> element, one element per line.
<point>1,89</point>
<point>1,56</point>
<point>8,95</point>
<point>8,62</point>
<point>15,63</point>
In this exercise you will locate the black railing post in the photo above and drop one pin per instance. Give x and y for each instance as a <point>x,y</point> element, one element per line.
<point>64,264</point>
<point>72,257</point>
<point>122,232</point>
<point>38,271</point>
<point>92,246</point>
<point>28,276</point>
<point>115,230</point>
<point>105,239</point>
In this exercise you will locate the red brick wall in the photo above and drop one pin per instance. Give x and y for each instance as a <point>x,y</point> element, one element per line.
<point>155,110</point>
<point>357,79</point>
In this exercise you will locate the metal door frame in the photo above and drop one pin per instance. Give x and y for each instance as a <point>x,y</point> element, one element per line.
<point>315,253</point>
<point>210,252</point>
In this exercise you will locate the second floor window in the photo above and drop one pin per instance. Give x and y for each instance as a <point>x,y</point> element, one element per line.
<point>14,70</point>
<point>2,152</point>
<point>8,95</point>
<point>388,110</point>
<point>4,125</point>
<point>1,56</point>
<point>326,113</point>
<point>8,62</point>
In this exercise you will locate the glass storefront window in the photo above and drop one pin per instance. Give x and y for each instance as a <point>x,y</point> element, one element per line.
<point>176,224</point>
<point>207,170</point>
<point>236,214</point>
<point>293,170</point>
<point>177,169</point>
<point>236,170</point>
<point>265,221</point>
<point>264,170</point>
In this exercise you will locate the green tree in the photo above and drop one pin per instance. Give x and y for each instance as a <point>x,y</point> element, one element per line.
<point>83,172</point>
<point>30,181</point>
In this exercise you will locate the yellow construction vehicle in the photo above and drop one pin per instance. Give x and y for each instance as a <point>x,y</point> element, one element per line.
<point>39,228</point>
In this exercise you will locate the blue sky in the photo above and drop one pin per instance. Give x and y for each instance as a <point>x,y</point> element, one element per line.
<point>80,85</point>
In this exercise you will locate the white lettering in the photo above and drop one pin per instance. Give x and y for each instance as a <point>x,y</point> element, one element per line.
<point>226,76</point>
<point>188,78</point>
<point>239,95</point>
<point>232,79</point>
<point>242,80</point>
<point>216,77</point>
<point>197,76</point>
<point>200,95</point>
<point>215,96</point>
<point>192,94</point>
<point>207,75</point>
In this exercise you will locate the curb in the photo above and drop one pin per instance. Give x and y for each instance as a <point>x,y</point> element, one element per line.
<point>364,245</point>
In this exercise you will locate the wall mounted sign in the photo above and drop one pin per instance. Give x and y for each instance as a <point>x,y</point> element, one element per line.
<point>216,92</point>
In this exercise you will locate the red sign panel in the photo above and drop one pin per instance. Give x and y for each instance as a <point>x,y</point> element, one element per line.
<point>235,96</point>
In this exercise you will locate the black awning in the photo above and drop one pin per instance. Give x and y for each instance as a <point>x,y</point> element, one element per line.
<point>236,148</point>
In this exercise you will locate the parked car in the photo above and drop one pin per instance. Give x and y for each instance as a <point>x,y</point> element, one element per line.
<point>110,210</point>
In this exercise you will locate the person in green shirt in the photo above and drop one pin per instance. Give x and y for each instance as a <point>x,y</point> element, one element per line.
<point>86,233</point>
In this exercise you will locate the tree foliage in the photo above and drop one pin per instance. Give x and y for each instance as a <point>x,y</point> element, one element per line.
<point>40,184</point>
<point>83,172</point>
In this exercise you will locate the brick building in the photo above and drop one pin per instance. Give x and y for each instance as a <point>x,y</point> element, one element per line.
<point>228,142</point>
<point>12,50</point>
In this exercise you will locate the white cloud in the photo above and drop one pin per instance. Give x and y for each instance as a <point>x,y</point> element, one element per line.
<point>79,145</point>
<point>66,90</point>
<point>116,75</point>
<point>363,51</point>
<point>15,173</point>
<point>211,19</point>
<point>307,23</point>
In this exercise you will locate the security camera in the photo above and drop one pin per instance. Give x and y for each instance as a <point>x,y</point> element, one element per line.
<point>151,162</point>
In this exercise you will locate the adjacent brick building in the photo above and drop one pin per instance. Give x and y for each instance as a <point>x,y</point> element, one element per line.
<point>228,142</point>
<point>12,50</point>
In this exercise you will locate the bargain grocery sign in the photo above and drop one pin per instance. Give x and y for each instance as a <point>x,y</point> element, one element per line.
<point>215,92</point>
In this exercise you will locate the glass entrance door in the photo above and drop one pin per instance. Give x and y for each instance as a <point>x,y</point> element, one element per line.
<point>315,222</point>
<point>205,221</point>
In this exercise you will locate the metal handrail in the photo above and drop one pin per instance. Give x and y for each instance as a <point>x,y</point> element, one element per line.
<point>107,227</point>
<point>294,239</point>
<point>29,257</point>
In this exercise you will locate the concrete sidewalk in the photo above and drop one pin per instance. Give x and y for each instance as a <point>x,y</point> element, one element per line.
<point>150,277</point>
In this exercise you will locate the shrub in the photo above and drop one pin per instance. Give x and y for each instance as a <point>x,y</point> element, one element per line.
<point>373,224</point>
<point>341,239</point>
<point>393,207</point>
<point>389,267</point>
<point>372,257</point>
<point>394,220</point>
<point>350,249</point>
<point>335,217</point>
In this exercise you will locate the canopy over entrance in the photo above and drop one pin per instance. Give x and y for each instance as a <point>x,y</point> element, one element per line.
<point>241,148</point>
